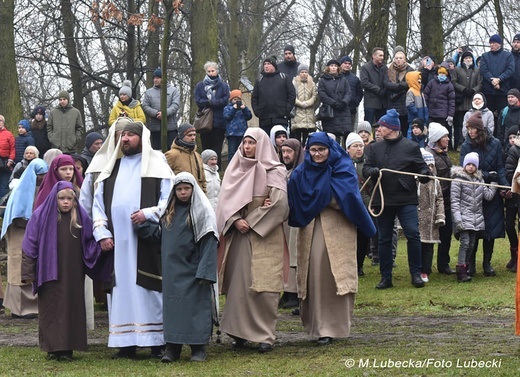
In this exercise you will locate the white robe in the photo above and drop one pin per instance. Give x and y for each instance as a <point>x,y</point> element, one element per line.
<point>135,313</point>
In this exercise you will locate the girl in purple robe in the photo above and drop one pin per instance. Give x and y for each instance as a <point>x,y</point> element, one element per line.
<point>58,250</point>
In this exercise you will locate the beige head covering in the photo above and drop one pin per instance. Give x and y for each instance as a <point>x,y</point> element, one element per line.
<point>246,178</point>
<point>153,163</point>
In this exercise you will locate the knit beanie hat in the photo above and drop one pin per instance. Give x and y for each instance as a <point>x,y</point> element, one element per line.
<point>495,38</point>
<point>91,138</point>
<point>333,61</point>
<point>427,157</point>
<point>398,49</point>
<point>390,120</point>
<point>289,48</point>
<point>353,138</point>
<point>364,126</point>
<point>64,94</point>
<point>235,93</point>
<point>25,124</point>
<point>475,120</point>
<point>126,88</point>
<point>466,54</point>
<point>345,59</point>
<point>38,110</point>
<point>513,130</point>
<point>442,70</point>
<point>302,67</point>
<point>419,123</point>
<point>207,154</point>
<point>514,92</point>
<point>184,129</point>
<point>516,37</point>
<point>271,60</point>
<point>471,158</point>
<point>436,131</point>
<point>157,72</point>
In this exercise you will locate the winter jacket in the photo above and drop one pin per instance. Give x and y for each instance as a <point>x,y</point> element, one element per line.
<point>20,143</point>
<point>212,184</point>
<point>306,103</point>
<point>356,91</point>
<point>415,102</point>
<point>289,68</point>
<point>183,159</point>
<point>133,110</point>
<point>513,156</point>
<point>7,149</point>
<point>490,159</point>
<point>467,199</point>
<point>397,154</point>
<point>430,211</point>
<point>335,91</point>
<point>467,82</point>
<point>396,90</point>
<point>443,166</point>
<point>236,120</point>
<point>515,80</point>
<point>487,119</point>
<point>39,133</point>
<point>273,98</point>
<point>372,81</point>
<point>512,118</point>
<point>497,64</point>
<point>151,105</point>
<point>440,98</point>
<point>65,128</point>
<point>217,103</point>
<point>419,139</point>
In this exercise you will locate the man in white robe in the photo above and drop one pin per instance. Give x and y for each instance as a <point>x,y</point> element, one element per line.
<point>135,302</point>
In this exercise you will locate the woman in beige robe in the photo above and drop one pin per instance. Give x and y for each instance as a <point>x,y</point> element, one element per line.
<point>251,209</point>
<point>326,204</point>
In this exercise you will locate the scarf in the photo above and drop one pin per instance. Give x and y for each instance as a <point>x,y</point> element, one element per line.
<point>396,73</point>
<point>210,84</point>
<point>313,185</point>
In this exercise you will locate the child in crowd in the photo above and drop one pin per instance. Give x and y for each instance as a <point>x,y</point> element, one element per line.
<point>431,215</point>
<point>23,140</point>
<point>189,265</point>
<point>209,157</point>
<point>236,114</point>
<point>415,102</point>
<point>31,152</point>
<point>467,210</point>
<point>59,249</point>
<point>364,129</point>
<point>278,135</point>
<point>419,132</point>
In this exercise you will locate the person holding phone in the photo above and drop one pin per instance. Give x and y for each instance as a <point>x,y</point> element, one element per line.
<point>236,114</point>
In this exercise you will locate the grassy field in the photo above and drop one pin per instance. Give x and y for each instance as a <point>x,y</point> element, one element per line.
<point>445,329</point>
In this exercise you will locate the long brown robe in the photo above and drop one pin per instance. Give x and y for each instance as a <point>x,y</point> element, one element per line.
<point>252,269</point>
<point>327,273</point>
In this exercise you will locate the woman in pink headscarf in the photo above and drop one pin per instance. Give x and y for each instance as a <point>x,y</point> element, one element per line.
<point>251,209</point>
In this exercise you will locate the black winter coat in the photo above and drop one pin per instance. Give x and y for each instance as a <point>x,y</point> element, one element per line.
<point>511,119</point>
<point>356,91</point>
<point>440,98</point>
<point>511,163</point>
<point>490,159</point>
<point>273,98</point>
<point>335,91</point>
<point>443,166</point>
<point>372,81</point>
<point>397,154</point>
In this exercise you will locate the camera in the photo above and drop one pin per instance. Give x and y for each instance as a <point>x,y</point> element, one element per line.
<point>238,103</point>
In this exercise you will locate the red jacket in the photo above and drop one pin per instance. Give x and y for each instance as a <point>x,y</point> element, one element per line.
<point>7,149</point>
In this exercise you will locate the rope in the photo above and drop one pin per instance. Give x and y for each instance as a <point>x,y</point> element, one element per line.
<point>378,186</point>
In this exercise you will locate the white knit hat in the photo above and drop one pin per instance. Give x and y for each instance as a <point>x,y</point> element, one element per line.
<point>353,138</point>
<point>436,131</point>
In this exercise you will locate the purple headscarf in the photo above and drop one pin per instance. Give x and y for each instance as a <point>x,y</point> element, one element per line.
<point>41,241</point>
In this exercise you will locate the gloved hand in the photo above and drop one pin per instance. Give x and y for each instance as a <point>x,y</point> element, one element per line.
<point>425,179</point>
<point>374,174</point>
<point>382,92</point>
<point>336,105</point>
<point>341,105</point>
<point>506,194</point>
<point>458,227</point>
<point>468,92</point>
<point>205,282</point>
<point>450,121</point>
<point>493,176</point>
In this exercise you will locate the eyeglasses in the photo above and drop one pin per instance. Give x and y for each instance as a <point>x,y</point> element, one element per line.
<point>320,150</point>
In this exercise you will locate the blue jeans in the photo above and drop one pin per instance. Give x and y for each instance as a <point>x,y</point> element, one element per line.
<point>409,220</point>
<point>232,146</point>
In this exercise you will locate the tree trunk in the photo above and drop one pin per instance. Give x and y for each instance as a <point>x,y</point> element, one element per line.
<point>72,55</point>
<point>431,29</point>
<point>204,42</point>
<point>10,105</point>
<point>234,68</point>
<point>165,53</point>
<point>130,45</point>
<point>152,58</point>
<point>401,20</point>
<point>500,18</point>
<point>319,35</point>
<point>257,8</point>
<point>378,26</point>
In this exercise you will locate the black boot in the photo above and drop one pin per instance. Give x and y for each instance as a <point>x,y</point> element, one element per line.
<point>462,273</point>
<point>470,263</point>
<point>512,262</point>
<point>125,353</point>
<point>198,352</point>
<point>283,299</point>
<point>292,301</point>
<point>486,263</point>
<point>171,353</point>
